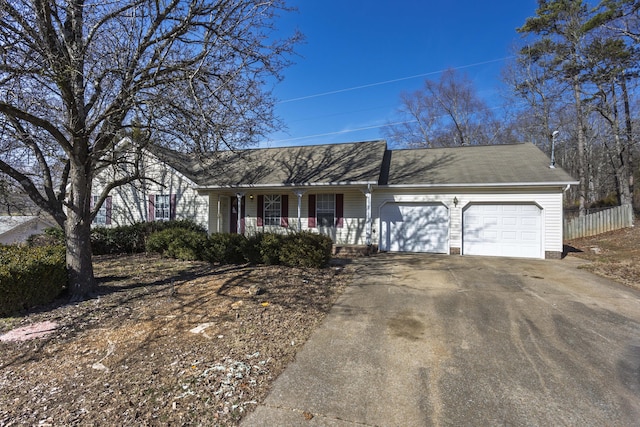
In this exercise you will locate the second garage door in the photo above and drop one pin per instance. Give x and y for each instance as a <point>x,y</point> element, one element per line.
<point>502,230</point>
<point>414,227</point>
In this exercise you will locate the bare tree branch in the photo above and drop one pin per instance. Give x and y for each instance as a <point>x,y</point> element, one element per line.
<point>76,75</point>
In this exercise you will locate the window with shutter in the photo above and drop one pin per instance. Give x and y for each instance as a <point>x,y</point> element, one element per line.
<point>311,221</point>
<point>272,209</point>
<point>284,210</point>
<point>326,210</point>
<point>162,207</point>
<point>103,217</point>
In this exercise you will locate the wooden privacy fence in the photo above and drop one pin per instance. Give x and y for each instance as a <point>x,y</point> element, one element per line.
<point>599,222</point>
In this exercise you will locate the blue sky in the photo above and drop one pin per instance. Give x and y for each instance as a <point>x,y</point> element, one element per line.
<point>353,43</point>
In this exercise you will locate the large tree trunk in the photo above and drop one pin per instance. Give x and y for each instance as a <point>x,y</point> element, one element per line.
<point>628,156</point>
<point>622,173</point>
<point>82,283</point>
<point>582,161</point>
<point>622,165</point>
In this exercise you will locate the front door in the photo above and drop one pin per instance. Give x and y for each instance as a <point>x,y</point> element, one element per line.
<point>233,226</point>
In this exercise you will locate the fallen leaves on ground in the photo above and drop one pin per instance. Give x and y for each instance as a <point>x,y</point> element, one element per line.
<point>615,255</point>
<point>165,343</point>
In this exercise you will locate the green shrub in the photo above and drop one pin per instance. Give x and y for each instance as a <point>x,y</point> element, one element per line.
<point>178,243</point>
<point>184,224</point>
<point>270,248</point>
<point>52,236</point>
<point>226,248</point>
<point>263,248</point>
<point>133,238</point>
<point>30,276</point>
<point>117,240</point>
<point>305,249</point>
<point>251,248</point>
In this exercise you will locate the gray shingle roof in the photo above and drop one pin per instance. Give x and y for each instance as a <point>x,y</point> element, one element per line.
<point>368,162</point>
<point>8,222</point>
<point>473,165</point>
<point>352,163</point>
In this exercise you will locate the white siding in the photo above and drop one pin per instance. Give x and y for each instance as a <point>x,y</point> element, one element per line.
<point>550,201</point>
<point>553,221</point>
<point>130,202</point>
<point>22,232</point>
<point>204,208</point>
<point>352,231</point>
<point>218,221</point>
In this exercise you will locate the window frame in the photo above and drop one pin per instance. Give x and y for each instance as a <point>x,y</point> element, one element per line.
<point>161,207</point>
<point>324,208</point>
<point>269,206</point>
<point>102,214</point>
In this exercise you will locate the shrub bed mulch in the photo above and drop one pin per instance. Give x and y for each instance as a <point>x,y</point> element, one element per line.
<point>165,343</point>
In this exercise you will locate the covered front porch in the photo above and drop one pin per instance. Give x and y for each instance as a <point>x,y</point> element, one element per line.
<point>342,212</point>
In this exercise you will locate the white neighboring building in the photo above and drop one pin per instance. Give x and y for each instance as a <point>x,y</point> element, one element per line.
<point>17,229</point>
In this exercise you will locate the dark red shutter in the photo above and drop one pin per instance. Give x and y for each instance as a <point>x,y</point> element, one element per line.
<point>339,210</point>
<point>172,206</point>
<point>152,208</point>
<point>233,214</point>
<point>312,211</point>
<point>284,210</point>
<point>108,210</point>
<point>260,214</point>
<point>92,206</point>
<point>243,213</point>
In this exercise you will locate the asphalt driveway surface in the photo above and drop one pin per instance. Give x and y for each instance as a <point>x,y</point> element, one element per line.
<point>429,340</point>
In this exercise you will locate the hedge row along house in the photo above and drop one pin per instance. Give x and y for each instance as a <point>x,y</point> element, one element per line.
<point>501,200</point>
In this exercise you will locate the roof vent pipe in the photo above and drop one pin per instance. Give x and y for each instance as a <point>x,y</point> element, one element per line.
<point>554,135</point>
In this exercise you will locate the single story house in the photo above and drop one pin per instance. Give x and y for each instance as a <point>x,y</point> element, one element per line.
<point>17,229</point>
<point>501,200</point>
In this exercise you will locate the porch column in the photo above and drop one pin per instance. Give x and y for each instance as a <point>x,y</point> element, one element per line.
<point>368,220</point>
<point>299,194</point>
<point>218,213</point>
<point>239,196</point>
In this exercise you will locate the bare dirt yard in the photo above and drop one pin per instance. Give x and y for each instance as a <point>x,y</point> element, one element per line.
<point>615,255</point>
<point>165,343</point>
<point>187,343</point>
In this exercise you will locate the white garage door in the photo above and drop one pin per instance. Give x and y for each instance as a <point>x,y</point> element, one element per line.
<point>414,227</point>
<point>512,230</point>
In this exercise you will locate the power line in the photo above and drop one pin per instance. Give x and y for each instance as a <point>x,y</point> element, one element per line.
<point>367,86</point>
<point>298,138</point>
<point>390,81</point>
<point>340,132</point>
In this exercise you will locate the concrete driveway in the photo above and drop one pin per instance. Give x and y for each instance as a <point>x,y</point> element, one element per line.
<point>429,340</point>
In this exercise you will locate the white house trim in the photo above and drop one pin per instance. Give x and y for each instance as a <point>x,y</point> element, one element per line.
<point>299,194</point>
<point>292,185</point>
<point>484,185</point>
<point>368,216</point>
